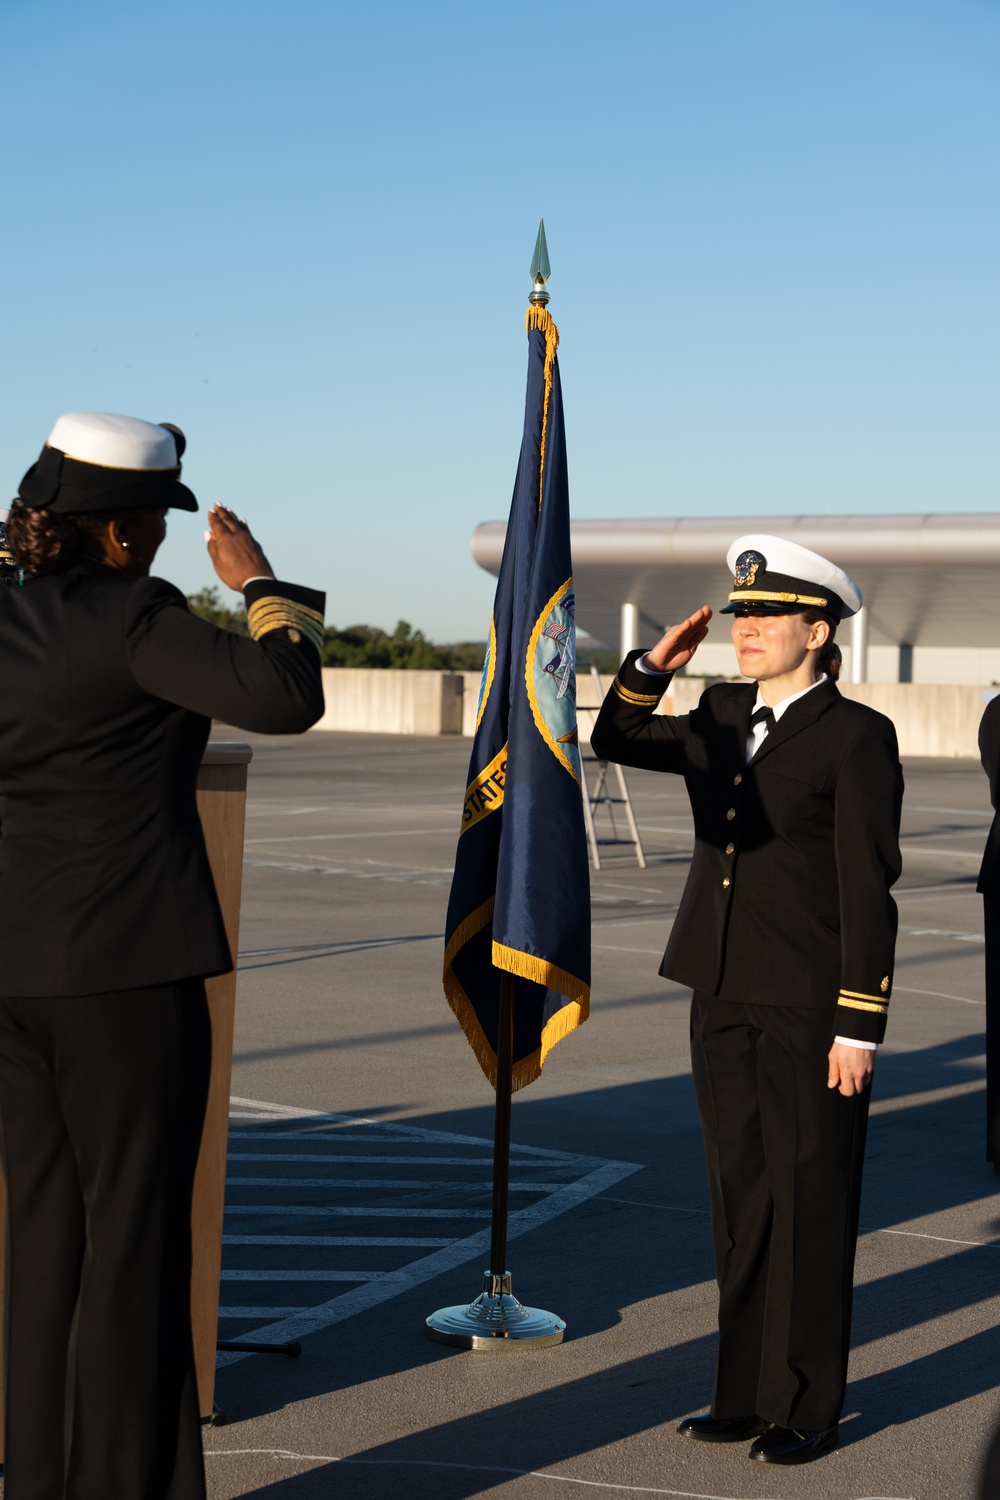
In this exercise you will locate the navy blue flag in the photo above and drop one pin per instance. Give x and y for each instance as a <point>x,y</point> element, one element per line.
<point>520,898</point>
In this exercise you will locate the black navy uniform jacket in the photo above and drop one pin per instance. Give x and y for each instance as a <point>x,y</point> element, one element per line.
<point>108,686</point>
<point>989,750</point>
<point>788,898</point>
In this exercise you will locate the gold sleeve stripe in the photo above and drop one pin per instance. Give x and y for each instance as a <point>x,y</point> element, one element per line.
<point>768,596</point>
<point>644,698</point>
<point>275,613</point>
<point>860,995</point>
<point>880,1010</point>
<point>276,600</point>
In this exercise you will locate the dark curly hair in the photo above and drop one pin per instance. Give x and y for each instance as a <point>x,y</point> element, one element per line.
<point>44,542</point>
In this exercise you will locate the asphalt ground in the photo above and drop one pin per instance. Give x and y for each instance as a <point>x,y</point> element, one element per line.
<point>360,1166</point>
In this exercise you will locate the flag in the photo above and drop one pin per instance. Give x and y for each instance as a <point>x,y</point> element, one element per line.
<point>520,897</point>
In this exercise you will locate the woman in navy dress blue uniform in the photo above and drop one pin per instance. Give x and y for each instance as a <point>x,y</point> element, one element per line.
<point>785,934</point>
<point>109,924</point>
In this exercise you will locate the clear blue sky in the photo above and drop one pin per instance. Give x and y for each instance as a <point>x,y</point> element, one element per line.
<point>302,230</point>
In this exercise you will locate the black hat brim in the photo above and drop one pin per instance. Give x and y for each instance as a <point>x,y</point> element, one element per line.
<point>775,607</point>
<point>70,487</point>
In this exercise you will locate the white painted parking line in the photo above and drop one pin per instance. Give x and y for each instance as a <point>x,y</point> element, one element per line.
<point>403,873</point>
<point>304,838</point>
<point>390,1184</point>
<point>369,1130</point>
<point>283,1274</point>
<point>308,1211</point>
<point>943,932</point>
<point>400,1161</point>
<point>451,1465</point>
<point>338,1241</point>
<point>905,989</point>
<point>584,1177</point>
<point>258,1312</point>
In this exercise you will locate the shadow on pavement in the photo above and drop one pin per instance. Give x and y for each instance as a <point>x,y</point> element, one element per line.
<point>649,1236</point>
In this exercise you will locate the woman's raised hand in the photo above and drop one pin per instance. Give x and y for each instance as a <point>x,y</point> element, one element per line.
<point>236,556</point>
<point>679,642</point>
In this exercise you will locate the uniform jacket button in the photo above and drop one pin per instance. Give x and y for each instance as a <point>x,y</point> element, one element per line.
<point>730,848</point>
<point>726,883</point>
<point>730,815</point>
<point>737,778</point>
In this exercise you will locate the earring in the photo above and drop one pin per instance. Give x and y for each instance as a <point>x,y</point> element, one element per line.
<point>124,546</point>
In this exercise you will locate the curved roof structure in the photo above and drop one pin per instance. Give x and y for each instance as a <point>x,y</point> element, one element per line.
<point>927,580</point>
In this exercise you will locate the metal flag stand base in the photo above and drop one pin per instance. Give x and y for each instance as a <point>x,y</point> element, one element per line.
<point>496,1317</point>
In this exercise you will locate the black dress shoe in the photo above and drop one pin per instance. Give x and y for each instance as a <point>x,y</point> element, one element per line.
<point>709,1429</point>
<point>786,1445</point>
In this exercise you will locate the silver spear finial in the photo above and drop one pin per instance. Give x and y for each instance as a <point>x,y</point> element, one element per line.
<point>540,269</point>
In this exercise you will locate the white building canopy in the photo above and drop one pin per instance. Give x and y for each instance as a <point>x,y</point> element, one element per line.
<point>927,580</point>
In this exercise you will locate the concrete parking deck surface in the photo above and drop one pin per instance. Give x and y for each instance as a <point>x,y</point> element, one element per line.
<point>359,1198</point>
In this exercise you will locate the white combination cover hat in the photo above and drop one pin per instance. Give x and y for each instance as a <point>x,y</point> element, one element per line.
<point>98,460</point>
<point>113,442</point>
<point>775,576</point>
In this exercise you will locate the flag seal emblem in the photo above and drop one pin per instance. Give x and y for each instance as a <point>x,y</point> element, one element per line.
<point>551,678</point>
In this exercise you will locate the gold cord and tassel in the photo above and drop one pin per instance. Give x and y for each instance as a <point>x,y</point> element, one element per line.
<point>541,319</point>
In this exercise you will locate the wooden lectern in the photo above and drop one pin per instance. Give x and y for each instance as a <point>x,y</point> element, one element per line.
<point>222,803</point>
<point>222,797</point>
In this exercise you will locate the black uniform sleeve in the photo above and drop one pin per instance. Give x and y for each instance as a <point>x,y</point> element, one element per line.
<point>629,731</point>
<point>989,748</point>
<point>869,798</point>
<point>271,684</point>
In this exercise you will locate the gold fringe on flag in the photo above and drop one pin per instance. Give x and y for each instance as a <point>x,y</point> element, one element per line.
<point>456,996</point>
<point>566,1019</point>
<point>541,318</point>
<point>514,961</point>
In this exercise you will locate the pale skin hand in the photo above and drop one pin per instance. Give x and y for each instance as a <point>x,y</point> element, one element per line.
<point>235,555</point>
<point>851,1068</point>
<point>679,643</point>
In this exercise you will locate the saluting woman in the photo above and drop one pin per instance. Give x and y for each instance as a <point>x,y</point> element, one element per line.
<point>785,934</point>
<point>109,924</point>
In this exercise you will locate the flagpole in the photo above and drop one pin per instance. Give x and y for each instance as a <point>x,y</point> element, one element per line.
<point>496,1316</point>
<point>501,1121</point>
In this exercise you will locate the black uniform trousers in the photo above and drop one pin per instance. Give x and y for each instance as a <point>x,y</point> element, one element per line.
<point>102,1101</point>
<point>991,931</point>
<point>784,1155</point>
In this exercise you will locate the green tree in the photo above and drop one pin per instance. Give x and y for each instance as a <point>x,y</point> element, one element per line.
<point>359,645</point>
<point>208,605</point>
<point>370,646</point>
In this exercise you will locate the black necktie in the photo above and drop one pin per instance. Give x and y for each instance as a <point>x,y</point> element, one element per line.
<point>762,715</point>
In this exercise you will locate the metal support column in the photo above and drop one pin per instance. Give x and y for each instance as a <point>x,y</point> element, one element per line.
<point>859,645</point>
<point>630,629</point>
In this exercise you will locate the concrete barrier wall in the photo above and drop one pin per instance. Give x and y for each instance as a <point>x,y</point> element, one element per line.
<point>931,719</point>
<point>386,702</point>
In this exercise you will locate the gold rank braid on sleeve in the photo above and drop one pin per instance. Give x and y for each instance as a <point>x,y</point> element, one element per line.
<point>627,696</point>
<point>276,613</point>
<point>855,1000</point>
